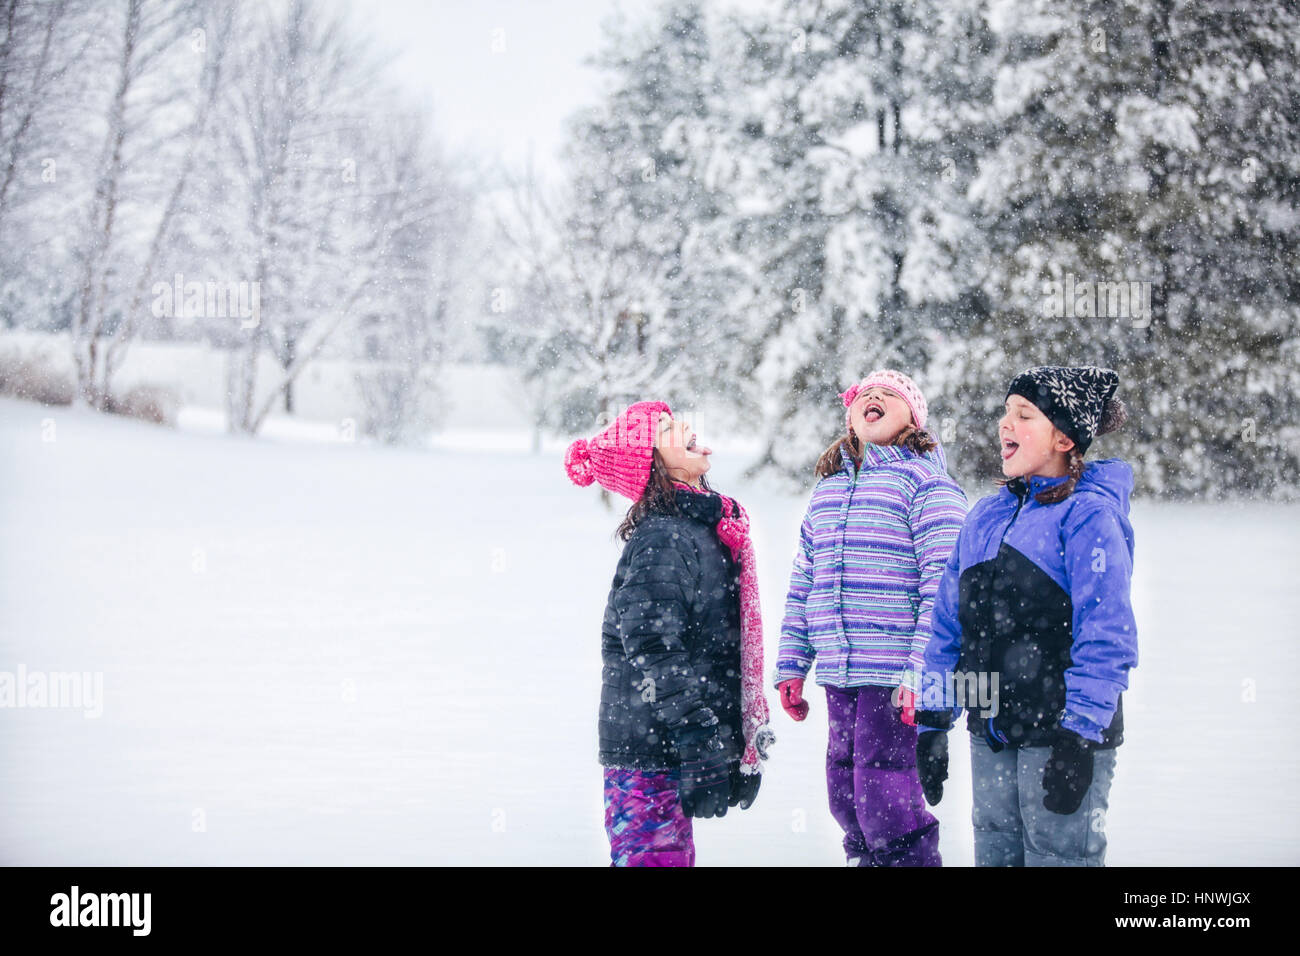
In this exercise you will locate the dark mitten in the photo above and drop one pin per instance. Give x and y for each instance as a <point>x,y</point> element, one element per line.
<point>933,719</point>
<point>932,763</point>
<point>744,787</point>
<point>706,778</point>
<point>1068,773</point>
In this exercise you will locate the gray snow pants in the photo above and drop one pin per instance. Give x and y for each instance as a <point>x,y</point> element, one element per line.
<point>1013,828</point>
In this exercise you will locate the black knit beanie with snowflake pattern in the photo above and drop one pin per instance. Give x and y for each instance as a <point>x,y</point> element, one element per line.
<point>1079,399</point>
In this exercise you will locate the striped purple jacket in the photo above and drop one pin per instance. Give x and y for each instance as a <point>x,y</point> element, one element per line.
<point>872,550</point>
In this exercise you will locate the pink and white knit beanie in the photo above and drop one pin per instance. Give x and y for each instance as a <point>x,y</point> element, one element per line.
<point>896,382</point>
<point>620,456</point>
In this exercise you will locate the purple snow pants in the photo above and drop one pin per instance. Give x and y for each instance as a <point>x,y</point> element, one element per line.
<point>875,792</point>
<point>644,819</point>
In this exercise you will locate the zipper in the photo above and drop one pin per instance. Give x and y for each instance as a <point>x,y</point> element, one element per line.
<point>1020,503</point>
<point>839,560</point>
<point>989,730</point>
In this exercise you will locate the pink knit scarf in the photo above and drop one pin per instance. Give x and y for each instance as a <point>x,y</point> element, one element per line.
<point>733,531</point>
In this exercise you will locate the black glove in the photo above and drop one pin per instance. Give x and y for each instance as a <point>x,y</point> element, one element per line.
<point>932,763</point>
<point>933,719</point>
<point>706,778</point>
<point>1068,773</point>
<point>744,787</point>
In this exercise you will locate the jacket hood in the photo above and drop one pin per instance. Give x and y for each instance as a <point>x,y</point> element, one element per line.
<point>1112,478</point>
<point>940,459</point>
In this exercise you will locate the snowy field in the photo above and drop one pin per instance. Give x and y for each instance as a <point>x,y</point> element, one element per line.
<point>315,652</point>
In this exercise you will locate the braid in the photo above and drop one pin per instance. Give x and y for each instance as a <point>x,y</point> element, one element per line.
<point>832,459</point>
<point>1059,492</point>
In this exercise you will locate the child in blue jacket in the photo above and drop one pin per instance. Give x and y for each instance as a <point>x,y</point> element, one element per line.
<point>1033,630</point>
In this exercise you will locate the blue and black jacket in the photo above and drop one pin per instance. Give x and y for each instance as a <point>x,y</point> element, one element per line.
<point>1038,595</point>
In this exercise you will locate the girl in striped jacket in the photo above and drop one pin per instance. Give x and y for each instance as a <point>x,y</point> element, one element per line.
<point>872,548</point>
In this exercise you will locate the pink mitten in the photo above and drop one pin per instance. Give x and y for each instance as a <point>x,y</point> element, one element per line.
<point>908,701</point>
<point>792,698</point>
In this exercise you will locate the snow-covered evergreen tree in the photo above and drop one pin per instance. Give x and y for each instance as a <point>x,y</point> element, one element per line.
<point>1152,145</point>
<point>614,300</point>
<point>848,217</point>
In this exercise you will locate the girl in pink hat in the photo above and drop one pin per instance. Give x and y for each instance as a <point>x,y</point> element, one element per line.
<point>881,523</point>
<point>683,720</point>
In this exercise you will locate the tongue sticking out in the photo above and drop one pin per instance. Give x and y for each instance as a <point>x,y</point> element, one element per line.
<point>873,415</point>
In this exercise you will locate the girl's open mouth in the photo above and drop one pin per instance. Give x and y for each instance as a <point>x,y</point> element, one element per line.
<point>1009,448</point>
<point>874,412</point>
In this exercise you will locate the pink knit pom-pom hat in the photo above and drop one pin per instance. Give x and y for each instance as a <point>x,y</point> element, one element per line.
<point>896,382</point>
<point>620,456</point>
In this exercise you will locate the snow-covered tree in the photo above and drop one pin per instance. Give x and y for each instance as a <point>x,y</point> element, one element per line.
<point>421,280</point>
<point>1151,147</point>
<point>312,192</point>
<point>849,220</point>
<point>42,42</point>
<point>613,300</point>
<point>145,130</point>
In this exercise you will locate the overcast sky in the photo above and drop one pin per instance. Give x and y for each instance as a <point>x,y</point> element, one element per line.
<point>498,76</point>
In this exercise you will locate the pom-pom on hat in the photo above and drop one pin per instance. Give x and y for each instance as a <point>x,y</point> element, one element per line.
<point>896,382</point>
<point>620,456</point>
<point>1079,400</point>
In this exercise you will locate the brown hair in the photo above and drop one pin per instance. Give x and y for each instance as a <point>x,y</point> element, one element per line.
<point>1062,490</point>
<point>659,497</point>
<point>914,439</point>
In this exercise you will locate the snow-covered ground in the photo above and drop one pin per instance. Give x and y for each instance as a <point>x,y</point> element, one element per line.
<point>321,652</point>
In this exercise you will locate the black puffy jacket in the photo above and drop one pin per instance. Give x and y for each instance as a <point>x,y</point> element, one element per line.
<point>671,641</point>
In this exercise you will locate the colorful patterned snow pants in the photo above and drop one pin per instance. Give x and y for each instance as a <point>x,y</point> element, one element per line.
<point>644,819</point>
